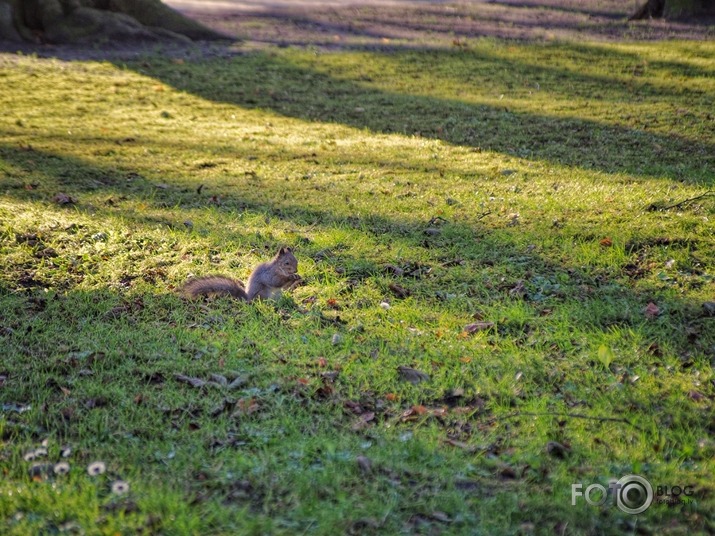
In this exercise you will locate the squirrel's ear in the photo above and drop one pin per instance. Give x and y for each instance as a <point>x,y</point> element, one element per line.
<point>284,250</point>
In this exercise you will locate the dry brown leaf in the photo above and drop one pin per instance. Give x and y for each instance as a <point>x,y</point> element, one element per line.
<point>354,407</point>
<point>557,450</point>
<point>606,242</point>
<point>518,290</point>
<point>220,379</point>
<point>246,406</point>
<point>64,199</point>
<point>461,445</point>
<point>651,310</point>
<point>476,327</point>
<point>193,382</point>
<point>363,421</point>
<point>398,291</point>
<point>419,409</point>
<point>697,396</point>
<point>394,270</point>
<point>411,375</point>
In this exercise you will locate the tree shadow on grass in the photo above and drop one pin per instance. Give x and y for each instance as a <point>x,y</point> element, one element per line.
<point>593,304</point>
<point>269,82</point>
<point>477,254</point>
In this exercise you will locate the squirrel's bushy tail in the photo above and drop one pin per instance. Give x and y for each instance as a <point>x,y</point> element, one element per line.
<point>213,285</point>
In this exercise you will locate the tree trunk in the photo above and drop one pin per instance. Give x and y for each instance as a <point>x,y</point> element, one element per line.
<point>96,21</point>
<point>673,9</point>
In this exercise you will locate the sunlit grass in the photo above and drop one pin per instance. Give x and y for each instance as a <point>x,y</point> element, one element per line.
<point>423,192</point>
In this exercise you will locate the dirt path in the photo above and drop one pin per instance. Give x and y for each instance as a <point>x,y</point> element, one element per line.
<point>392,24</point>
<point>359,23</point>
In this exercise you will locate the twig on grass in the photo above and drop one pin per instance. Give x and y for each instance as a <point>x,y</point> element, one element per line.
<point>572,415</point>
<point>658,206</point>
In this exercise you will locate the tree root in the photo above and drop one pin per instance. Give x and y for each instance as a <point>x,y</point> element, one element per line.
<point>92,21</point>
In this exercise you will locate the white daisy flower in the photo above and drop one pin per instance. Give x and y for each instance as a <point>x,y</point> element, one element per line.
<point>96,468</point>
<point>120,487</point>
<point>61,468</point>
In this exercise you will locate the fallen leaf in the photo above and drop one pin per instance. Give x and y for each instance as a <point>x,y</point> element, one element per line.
<point>354,407</point>
<point>391,397</point>
<point>441,517</point>
<point>329,375</point>
<point>364,464</point>
<point>461,445</point>
<point>606,242</point>
<point>506,472</point>
<point>518,290</point>
<point>64,199</point>
<point>605,355</point>
<point>236,383</point>
<point>475,327</point>
<point>193,382</point>
<point>394,270</point>
<point>697,396</point>
<point>411,375</point>
<point>246,406</point>
<point>651,310</point>
<point>398,290</point>
<point>419,409</point>
<point>557,450</point>
<point>363,421</point>
<point>218,378</point>
<point>439,412</point>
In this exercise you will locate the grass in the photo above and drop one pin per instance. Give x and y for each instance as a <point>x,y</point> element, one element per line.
<point>423,191</point>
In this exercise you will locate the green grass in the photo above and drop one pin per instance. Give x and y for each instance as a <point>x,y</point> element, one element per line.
<point>509,183</point>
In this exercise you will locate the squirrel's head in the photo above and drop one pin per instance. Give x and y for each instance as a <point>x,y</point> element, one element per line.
<point>287,260</point>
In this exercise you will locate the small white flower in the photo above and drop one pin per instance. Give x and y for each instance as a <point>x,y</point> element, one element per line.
<point>29,456</point>
<point>96,468</point>
<point>61,468</point>
<point>40,452</point>
<point>120,487</point>
<point>66,451</point>
<point>385,305</point>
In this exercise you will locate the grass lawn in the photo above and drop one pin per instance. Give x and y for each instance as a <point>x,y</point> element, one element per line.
<point>508,290</point>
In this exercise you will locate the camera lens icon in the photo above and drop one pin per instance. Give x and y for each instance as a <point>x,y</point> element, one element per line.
<point>634,494</point>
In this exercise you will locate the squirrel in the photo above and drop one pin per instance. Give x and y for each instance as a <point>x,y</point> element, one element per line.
<point>266,281</point>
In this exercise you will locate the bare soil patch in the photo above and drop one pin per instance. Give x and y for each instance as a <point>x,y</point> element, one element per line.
<point>256,24</point>
<point>431,23</point>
